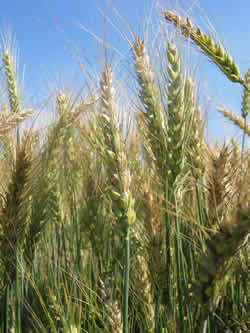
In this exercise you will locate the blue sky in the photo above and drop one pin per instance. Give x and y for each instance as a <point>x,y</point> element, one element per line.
<point>47,56</point>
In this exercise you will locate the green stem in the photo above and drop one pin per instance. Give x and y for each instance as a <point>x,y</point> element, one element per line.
<point>126,282</point>
<point>180,267</point>
<point>168,301</point>
<point>242,169</point>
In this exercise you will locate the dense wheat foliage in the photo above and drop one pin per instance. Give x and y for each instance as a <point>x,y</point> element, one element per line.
<point>110,227</point>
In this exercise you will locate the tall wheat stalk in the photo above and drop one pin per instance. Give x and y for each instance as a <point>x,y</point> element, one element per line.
<point>119,176</point>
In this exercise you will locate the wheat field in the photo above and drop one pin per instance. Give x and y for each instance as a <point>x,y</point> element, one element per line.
<point>122,217</point>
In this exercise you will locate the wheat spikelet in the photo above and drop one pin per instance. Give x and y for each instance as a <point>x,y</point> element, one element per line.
<point>246,96</point>
<point>214,51</point>
<point>196,146</point>
<point>151,217</point>
<point>142,276</point>
<point>14,99</point>
<point>195,142</point>
<point>62,102</point>
<point>236,120</point>
<point>146,147</point>
<point>219,185</point>
<point>15,212</point>
<point>115,156</point>
<point>12,121</point>
<point>112,308</point>
<point>58,129</point>
<point>92,215</point>
<point>46,206</point>
<point>143,288</point>
<point>8,138</point>
<point>155,124</point>
<point>176,121</point>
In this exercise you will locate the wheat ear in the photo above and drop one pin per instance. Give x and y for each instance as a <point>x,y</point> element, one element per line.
<point>12,121</point>
<point>142,281</point>
<point>214,51</point>
<point>15,212</point>
<point>176,121</point>
<point>221,183</point>
<point>115,156</point>
<point>236,120</point>
<point>8,138</point>
<point>195,142</point>
<point>112,308</point>
<point>154,119</point>
<point>246,96</point>
<point>14,99</point>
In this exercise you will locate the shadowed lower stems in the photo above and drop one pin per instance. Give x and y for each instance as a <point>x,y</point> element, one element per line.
<point>216,262</point>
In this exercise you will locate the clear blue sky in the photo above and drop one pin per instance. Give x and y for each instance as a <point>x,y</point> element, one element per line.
<point>43,47</point>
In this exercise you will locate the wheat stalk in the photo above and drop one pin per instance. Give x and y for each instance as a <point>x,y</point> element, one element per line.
<point>119,175</point>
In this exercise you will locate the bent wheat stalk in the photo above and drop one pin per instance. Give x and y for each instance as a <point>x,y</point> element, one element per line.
<point>214,51</point>
<point>119,176</point>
